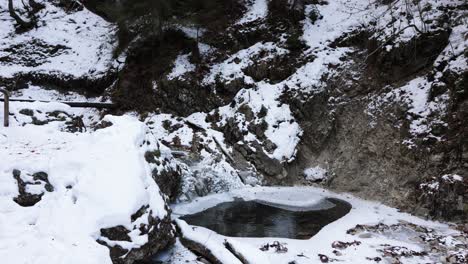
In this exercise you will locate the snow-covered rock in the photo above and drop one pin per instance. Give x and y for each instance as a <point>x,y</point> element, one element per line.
<point>91,187</point>
<point>315,173</point>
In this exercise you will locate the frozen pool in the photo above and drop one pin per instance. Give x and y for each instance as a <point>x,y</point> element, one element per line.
<point>256,219</point>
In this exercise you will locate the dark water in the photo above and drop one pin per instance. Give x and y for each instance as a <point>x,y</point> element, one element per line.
<point>253,219</point>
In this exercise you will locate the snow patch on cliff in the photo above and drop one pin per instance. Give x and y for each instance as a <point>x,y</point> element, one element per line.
<point>256,10</point>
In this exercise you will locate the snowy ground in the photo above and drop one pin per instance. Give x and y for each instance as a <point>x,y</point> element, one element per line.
<point>370,233</point>
<point>93,180</point>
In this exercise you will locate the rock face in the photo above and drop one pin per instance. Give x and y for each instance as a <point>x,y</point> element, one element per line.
<point>388,153</point>
<point>445,196</point>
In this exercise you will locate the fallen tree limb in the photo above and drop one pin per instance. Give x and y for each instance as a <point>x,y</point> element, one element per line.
<point>97,105</point>
<point>22,23</point>
<point>200,249</point>
<point>225,152</point>
<point>238,255</point>
<point>205,243</point>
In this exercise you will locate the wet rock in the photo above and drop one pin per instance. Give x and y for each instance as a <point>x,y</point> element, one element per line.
<point>229,89</point>
<point>160,234</point>
<point>27,112</point>
<point>153,156</point>
<point>169,182</point>
<point>276,245</point>
<point>119,233</point>
<point>87,85</point>
<point>26,198</point>
<point>59,115</point>
<point>165,172</point>
<point>258,128</point>
<point>409,58</point>
<point>293,11</point>
<point>76,124</point>
<point>277,69</point>
<point>42,176</point>
<point>231,131</point>
<point>269,166</point>
<point>376,259</point>
<point>37,122</point>
<point>103,124</point>
<point>247,111</point>
<point>269,146</point>
<point>344,245</point>
<point>445,196</point>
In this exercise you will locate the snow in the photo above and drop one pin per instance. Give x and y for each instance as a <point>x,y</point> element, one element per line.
<point>34,92</point>
<point>315,173</point>
<point>89,41</point>
<point>99,178</point>
<point>278,197</point>
<point>307,251</point>
<point>208,239</point>
<point>282,130</point>
<point>182,65</point>
<point>257,10</point>
<point>432,187</point>
<point>231,68</point>
<point>177,255</point>
<point>191,31</point>
<point>338,17</point>
<point>422,112</point>
<point>452,177</point>
<point>454,52</point>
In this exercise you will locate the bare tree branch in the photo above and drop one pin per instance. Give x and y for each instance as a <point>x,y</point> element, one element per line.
<point>22,23</point>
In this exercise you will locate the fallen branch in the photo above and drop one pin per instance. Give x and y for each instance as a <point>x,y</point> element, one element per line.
<point>199,249</point>
<point>238,255</point>
<point>225,152</point>
<point>202,244</point>
<point>97,105</point>
<point>22,23</point>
